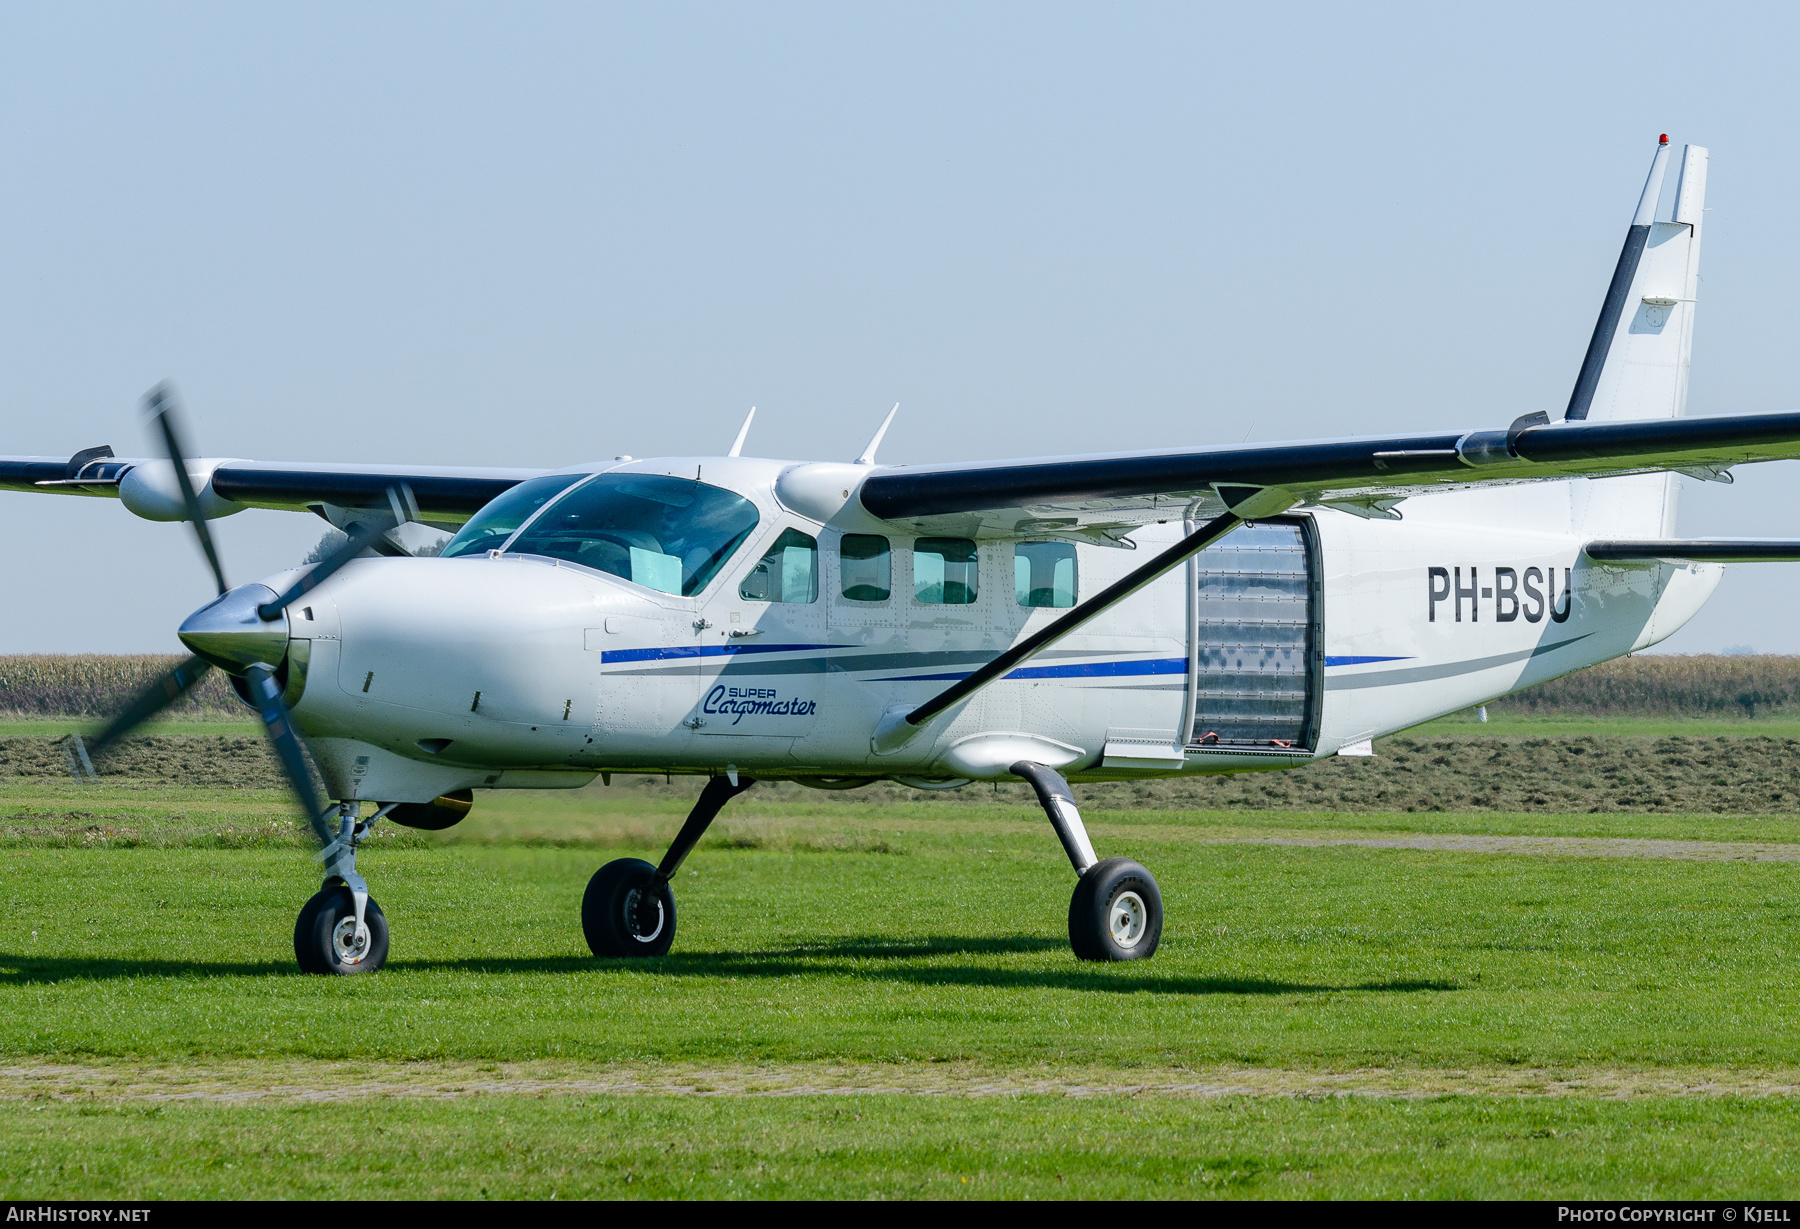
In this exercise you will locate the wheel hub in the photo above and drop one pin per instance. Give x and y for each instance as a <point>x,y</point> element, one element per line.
<point>1125,919</point>
<point>644,913</point>
<point>349,943</point>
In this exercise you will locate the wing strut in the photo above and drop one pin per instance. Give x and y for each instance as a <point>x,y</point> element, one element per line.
<point>897,728</point>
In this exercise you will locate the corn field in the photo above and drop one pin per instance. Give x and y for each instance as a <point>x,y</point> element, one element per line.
<point>46,685</point>
<point>1703,685</point>
<point>96,685</point>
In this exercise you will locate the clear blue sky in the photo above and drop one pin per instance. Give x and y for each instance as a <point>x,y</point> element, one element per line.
<point>532,235</point>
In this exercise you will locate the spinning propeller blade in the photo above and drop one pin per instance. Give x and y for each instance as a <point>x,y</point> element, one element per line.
<point>151,701</point>
<point>265,693</point>
<point>160,402</point>
<point>285,739</point>
<point>360,539</point>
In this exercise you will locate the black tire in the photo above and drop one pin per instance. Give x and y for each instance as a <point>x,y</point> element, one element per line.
<point>1117,885</point>
<point>626,911</point>
<point>320,948</point>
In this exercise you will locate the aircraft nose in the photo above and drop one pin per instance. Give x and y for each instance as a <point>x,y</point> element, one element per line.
<point>231,635</point>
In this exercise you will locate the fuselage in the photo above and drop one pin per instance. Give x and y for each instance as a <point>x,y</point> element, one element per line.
<point>1292,639</point>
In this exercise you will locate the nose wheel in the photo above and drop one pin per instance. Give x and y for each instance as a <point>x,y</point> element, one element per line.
<point>342,930</point>
<point>328,938</point>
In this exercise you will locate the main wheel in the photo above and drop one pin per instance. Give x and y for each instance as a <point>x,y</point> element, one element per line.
<point>627,911</point>
<point>325,938</point>
<point>1116,913</point>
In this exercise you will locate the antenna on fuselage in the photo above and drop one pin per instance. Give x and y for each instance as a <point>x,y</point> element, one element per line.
<point>737,445</point>
<point>868,454</point>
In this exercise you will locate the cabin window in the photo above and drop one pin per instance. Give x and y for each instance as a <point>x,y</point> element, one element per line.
<point>944,571</point>
<point>1044,573</point>
<point>668,534</point>
<point>489,528</point>
<point>787,572</point>
<point>865,567</point>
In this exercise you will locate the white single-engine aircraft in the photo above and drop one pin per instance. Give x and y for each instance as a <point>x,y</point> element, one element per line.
<point>1116,616</point>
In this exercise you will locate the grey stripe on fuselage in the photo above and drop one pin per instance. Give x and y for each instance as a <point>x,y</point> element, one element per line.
<point>1422,674</point>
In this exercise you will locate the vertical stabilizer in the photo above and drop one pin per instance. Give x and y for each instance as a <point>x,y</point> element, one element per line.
<point>1636,364</point>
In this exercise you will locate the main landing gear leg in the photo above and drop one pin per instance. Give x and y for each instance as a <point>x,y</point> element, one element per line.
<point>342,930</point>
<point>628,909</point>
<point>1116,913</point>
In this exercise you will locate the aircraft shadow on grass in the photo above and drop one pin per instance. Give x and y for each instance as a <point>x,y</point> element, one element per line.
<point>873,959</point>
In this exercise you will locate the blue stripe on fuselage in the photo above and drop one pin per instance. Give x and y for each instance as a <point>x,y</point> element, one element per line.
<point>710,650</point>
<point>1092,669</point>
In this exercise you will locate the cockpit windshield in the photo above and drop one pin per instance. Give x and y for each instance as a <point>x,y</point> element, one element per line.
<point>489,528</point>
<point>668,534</point>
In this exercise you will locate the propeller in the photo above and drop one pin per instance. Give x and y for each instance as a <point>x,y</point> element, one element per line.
<point>151,701</point>
<point>160,402</point>
<point>360,538</point>
<point>285,740</point>
<point>259,676</point>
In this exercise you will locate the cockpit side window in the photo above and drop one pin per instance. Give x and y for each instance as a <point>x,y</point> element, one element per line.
<point>668,534</point>
<point>787,572</point>
<point>489,528</point>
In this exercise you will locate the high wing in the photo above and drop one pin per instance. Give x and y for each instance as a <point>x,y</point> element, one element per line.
<point>444,495</point>
<point>1103,496</point>
<point>1624,417</point>
<point>443,492</point>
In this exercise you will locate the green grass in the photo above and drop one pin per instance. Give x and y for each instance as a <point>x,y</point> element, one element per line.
<point>629,814</point>
<point>53,812</point>
<point>954,951</point>
<point>918,944</point>
<point>509,1147</point>
<point>60,727</point>
<point>1502,725</point>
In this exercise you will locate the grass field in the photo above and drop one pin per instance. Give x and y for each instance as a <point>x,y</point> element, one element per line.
<point>871,995</point>
<point>1514,725</point>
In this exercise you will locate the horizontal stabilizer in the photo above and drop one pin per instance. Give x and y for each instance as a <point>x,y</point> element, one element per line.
<point>1703,550</point>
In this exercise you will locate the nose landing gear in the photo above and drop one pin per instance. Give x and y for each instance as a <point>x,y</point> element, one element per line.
<point>342,930</point>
